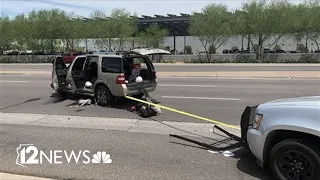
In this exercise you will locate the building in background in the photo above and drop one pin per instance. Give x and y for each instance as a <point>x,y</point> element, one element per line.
<point>179,37</point>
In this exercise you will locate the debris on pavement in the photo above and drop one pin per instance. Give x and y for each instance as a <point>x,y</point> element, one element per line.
<point>224,153</point>
<point>83,102</point>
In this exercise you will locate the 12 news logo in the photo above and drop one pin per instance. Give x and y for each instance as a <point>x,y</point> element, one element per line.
<point>29,154</point>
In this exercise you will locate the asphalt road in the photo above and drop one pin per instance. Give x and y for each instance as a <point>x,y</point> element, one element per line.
<point>218,99</point>
<point>190,67</point>
<point>134,156</point>
<point>137,155</point>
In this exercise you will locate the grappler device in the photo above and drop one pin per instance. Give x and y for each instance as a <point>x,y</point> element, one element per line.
<point>142,109</point>
<point>247,119</point>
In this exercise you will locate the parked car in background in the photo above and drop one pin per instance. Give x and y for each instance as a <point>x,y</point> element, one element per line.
<point>11,52</point>
<point>284,136</point>
<point>70,56</point>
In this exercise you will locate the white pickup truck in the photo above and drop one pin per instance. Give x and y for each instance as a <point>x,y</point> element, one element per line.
<point>284,136</point>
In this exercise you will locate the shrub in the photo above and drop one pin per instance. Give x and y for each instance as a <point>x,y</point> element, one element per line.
<point>235,48</point>
<point>212,50</point>
<point>277,47</point>
<point>301,48</point>
<point>188,49</point>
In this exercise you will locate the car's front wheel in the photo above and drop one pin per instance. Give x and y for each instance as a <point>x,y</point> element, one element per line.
<point>103,96</point>
<point>295,159</point>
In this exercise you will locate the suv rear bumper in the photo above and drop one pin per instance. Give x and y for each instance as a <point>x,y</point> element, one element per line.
<point>137,92</point>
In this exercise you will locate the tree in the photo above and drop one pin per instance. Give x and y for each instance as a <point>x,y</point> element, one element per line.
<point>121,27</point>
<point>21,32</point>
<point>211,26</point>
<point>101,31</point>
<point>239,27</point>
<point>265,21</point>
<point>314,11</point>
<point>153,36</point>
<point>6,35</point>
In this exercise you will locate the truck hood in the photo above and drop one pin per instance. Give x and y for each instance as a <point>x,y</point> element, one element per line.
<point>299,101</point>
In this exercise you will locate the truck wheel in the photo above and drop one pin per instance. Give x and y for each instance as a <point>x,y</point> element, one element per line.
<point>294,159</point>
<point>103,96</point>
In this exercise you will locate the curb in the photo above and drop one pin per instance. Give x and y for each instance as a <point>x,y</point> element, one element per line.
<point>7,176</point>
<point>116,124</point>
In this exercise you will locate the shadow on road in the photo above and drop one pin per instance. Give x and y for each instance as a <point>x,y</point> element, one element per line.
<point>247,164</point>
<point>123,103</point>
<point>246,161</point>
<point>55,98</point>
<point>24,102</point>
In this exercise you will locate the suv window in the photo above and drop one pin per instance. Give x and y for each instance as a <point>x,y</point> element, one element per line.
<point>78,64</point>
<point>111,65</point>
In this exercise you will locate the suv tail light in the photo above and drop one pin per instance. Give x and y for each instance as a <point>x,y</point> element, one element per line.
<point>155,74</point>
<point>121,79</point>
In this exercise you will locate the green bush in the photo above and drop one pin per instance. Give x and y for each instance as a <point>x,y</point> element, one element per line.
<point>301,48</point>
<point>307,58</point>
<point>26,59</point>
<point>188,49</point>
<point>277,47</point>
<point>212,50</point>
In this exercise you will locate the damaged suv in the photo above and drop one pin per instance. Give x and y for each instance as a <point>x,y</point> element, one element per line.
<point>106,76</point>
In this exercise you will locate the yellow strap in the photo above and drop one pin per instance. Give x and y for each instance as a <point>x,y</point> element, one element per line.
<point>184,113</point>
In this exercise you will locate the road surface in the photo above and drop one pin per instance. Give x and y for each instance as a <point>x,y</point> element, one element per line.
<point>137,152</point>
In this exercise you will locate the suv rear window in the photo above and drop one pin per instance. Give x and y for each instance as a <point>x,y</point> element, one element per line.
<point>111,65</point>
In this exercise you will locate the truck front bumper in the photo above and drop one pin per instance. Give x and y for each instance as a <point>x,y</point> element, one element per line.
<point>255,142</point>
<point>252,138</point>
<point>247,119</point>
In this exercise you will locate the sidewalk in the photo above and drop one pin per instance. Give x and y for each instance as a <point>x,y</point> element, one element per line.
<point>7,176</point>
<point>117,124</point>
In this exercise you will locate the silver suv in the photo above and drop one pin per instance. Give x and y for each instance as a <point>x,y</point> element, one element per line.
<point>284,136</point>
<point>106,76</point>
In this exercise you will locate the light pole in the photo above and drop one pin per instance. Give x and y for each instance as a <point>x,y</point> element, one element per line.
<point>86,20</point>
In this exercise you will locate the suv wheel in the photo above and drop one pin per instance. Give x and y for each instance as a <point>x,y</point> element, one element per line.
<point>294,159</point>
<point>103,96</point>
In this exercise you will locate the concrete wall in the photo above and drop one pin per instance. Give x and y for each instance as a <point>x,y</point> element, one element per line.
<point>281,57</point>
<point>287,44</point>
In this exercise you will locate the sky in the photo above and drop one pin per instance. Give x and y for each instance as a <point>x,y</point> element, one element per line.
<point>12,8</point>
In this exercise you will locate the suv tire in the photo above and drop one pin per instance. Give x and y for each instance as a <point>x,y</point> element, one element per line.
<point>297,159</point>
<point>103,96</point>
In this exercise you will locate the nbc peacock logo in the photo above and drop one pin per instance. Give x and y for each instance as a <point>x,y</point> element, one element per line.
<point>101,157</point>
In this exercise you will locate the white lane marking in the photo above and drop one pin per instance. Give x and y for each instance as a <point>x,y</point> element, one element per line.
<point>8,81</point>
<point>186,85</point>
<point>242,78</point>
<point>205,98</point>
